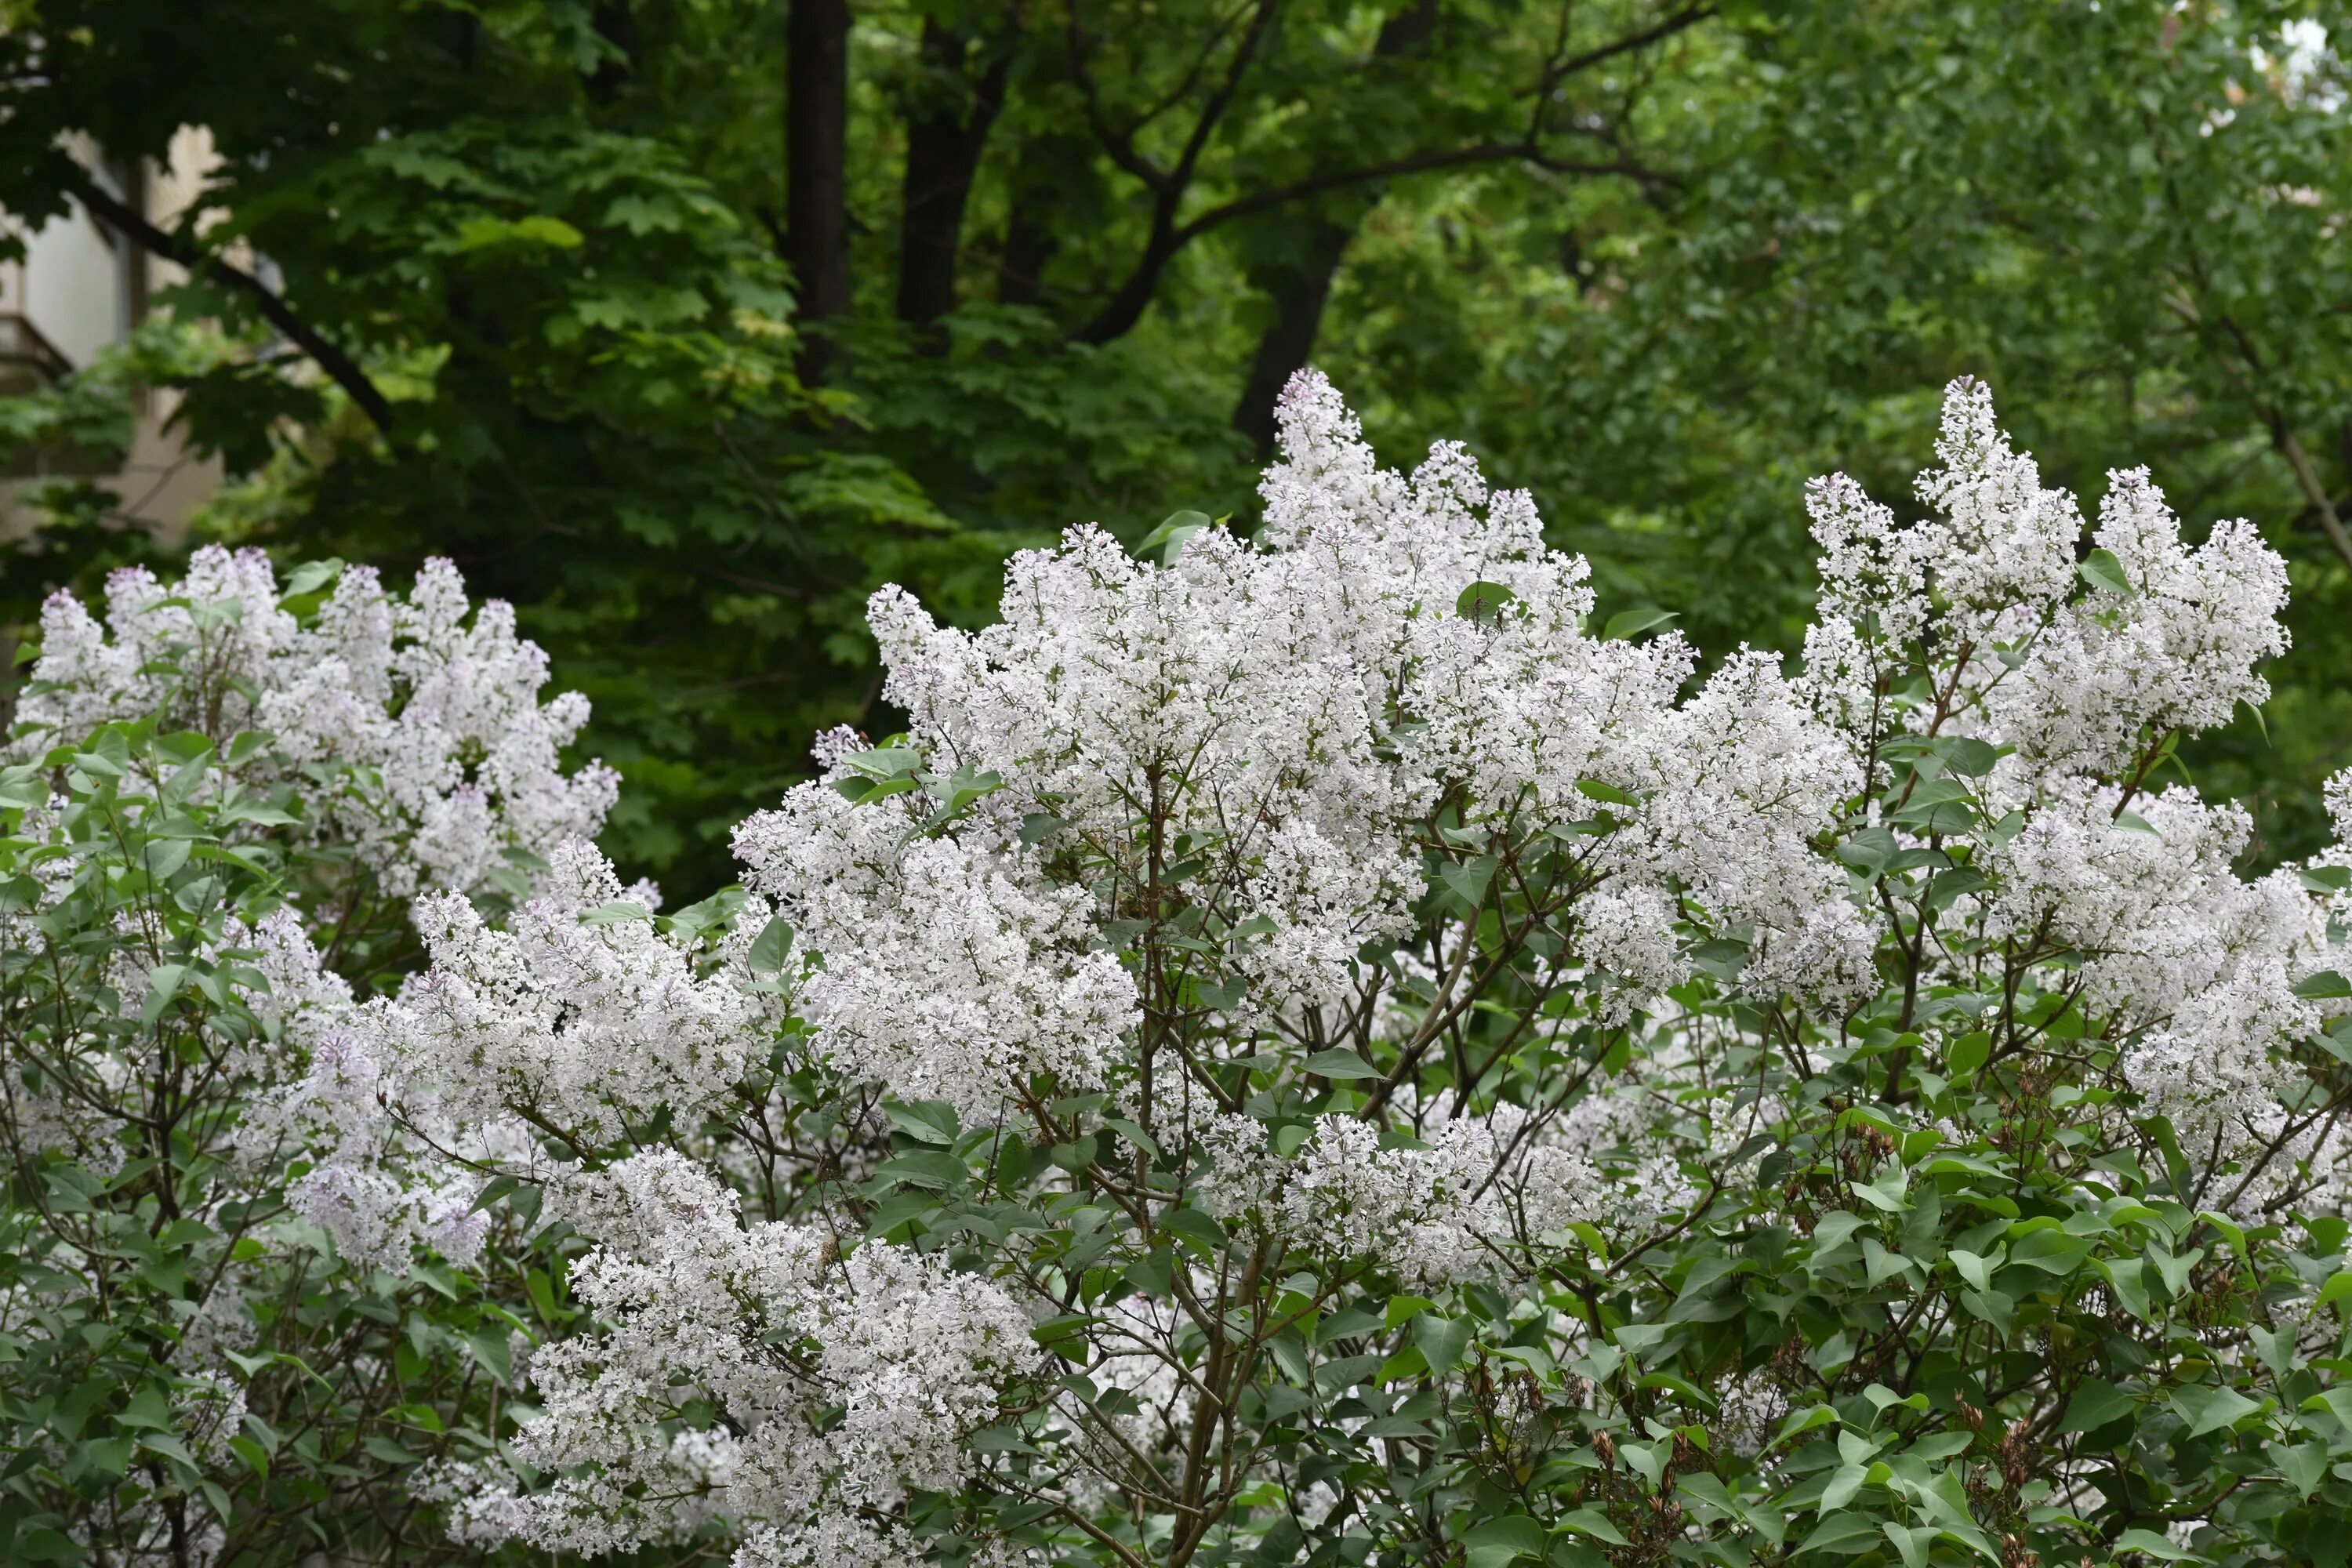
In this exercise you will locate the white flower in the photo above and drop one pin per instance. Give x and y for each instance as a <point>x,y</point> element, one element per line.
<point>445,760</point>
<point>772,1324</point>
<point>580,1013</point>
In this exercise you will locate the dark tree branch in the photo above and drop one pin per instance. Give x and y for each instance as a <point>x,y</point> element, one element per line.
<point>1300,288</point>
<point>1413,164</point>
<point>1289,341</point>
<point>1029,245</point>
<point>181,249</point>
<point>1119,142</point>
<point>1665,27</point>
<point>816,165</point>
<point>2250,373</point>
<point>1205,126</point>
<point>1128,302</point>
<point>1126,306</point>
<point>944,143</point>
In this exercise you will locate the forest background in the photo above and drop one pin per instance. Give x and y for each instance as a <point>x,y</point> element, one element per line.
<point>683,325</point>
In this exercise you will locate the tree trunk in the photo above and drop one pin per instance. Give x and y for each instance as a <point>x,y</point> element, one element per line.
<point>817,168</point>
<point>1030,243</point>
<point>1300,290</point>
<point>1283,349</point>
<point>617,24</point>
<point>945,138</point>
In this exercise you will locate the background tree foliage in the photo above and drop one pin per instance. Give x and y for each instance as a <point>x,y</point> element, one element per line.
<point>683,323</point>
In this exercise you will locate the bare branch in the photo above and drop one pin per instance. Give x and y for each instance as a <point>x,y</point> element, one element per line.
<point>1413,163</point>
<point>1127,303</point>
<point>180,248</point>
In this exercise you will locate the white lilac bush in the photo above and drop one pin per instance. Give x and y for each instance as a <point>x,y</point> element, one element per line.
<point>230,1325</point>
<point>1306,1052</point>
<point>415,739</point>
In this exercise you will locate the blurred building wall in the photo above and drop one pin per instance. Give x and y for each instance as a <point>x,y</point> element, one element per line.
<point>80,288</point>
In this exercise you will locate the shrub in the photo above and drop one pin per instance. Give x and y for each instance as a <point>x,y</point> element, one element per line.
<point>1302,1052</point>
<point>216,1346</point>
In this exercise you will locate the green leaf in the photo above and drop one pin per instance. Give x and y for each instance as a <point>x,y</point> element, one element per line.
<point>1592,1522</point>
<point>163,857</point>
<point>1870,850</point>
<point>887,762</point>
<point>538,229</point>
<point>168,1446</point>
<point>390,1452</point>
<point>1994,1307</point>
<point>2325,986</point>
<point>1172,534</point>
<point>2211,1409</point>
<point>497,1188</point>
<point>2101,570</point>
<point>1000,1440</point>
<point>2127,1278</point>
<point>1844,1486</point>
<point>925,1121</point>
<point>770,947</point>
<point>2095,1403</point>
<point>1134,1135</point>
<point>932,1168</point>
<point>2302,1466</point>
<point>1341,1065</point>
<point>1845,1534</point>
<point>2050,1250</point>
<point>2155,1545</point>
<point>1441,1340</point>
<point>163,986</point>
<point>1967,1054</point>
<point>1195,1226</point>
<point>1500,1541</point>
<point>1484,601</point>
<point>1886,1193</point>
<point>2174,1270</point>
<point>1911,1543</point>
<point>310,577</point>
<point>1402,1309</point>
<point>246,744</point>
<point>2337,1401</point>
<point>258,812</point>
<point>1802,1421</point>
<point>1468,880</point>
<point>1633,623</point>
<point>1970,758</point>
<point>1880,1264</point>
<point>618,911</point>
<point>2339,1286</point>
<point>489,1347</point>
<point>42,1544</point>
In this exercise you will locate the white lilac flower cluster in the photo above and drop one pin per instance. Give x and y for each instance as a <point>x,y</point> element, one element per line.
<point>579,1014</point>
<point>416,736</point>
<point>2027,653</point>
<point>1286,714</point>
<point>1182,847</point>
<point>577,1018</point>
<point>950,969</point>
<point>776,1328</point>
<point>1450,1202</point>
<point>2077,675</point>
